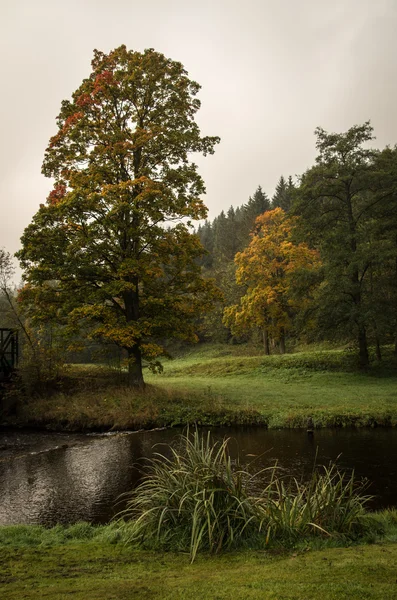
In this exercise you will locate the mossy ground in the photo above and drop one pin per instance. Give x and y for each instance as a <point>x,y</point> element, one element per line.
<point>222,385</point>
<point>100,570</point>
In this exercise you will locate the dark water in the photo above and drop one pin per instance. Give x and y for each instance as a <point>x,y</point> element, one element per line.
<point>64,478</point>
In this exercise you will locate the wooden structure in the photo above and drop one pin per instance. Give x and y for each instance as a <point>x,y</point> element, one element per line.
<point>8,352</point>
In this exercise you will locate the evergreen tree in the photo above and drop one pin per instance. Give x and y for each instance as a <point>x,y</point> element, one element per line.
<point>220,229</point>
<point>283,194</point>
<point>257,204</point>
<point>228,234</point>
<point>338,204</point>
<point>206,234</point>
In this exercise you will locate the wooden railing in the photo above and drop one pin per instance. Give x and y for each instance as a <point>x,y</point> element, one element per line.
<point>8,352</point>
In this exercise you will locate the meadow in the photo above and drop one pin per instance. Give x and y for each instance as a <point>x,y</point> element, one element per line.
<point>98,562</point>
<point>223,385</point>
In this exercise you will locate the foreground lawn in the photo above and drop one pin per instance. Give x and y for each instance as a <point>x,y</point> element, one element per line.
<point>95,571</point>
<point>220,385</point>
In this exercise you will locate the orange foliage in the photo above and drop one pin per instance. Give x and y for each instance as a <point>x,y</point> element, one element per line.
<point>56,194</point>
<point>266,267</point>
<point>84,100</point>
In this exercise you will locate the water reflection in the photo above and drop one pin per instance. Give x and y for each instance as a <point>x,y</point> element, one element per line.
<point>53,478</point>
<point>66,484</point>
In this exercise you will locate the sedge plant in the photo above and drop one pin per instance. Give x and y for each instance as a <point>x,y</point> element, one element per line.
<point>198,499</point>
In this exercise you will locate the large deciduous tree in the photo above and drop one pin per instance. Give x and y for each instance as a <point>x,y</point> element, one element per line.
<point>267,268</point>
<point>111,250</point>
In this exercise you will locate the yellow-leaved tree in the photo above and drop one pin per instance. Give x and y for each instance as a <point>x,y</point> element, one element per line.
<point>268,268</point>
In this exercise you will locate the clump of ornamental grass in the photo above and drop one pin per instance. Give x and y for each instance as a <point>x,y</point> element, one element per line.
<point>199,500</point>
<point>329,504</point>
<point>194,500</point>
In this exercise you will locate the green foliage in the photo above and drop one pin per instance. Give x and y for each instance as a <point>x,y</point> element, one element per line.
<point>230,233</point>
<point>198,500</point>
<point>347,202</point>
<point>257,204</point>
<point>195,500</point>
<point>111,253</point>
<point>348,205</point>
<point>329,503</point>
<point>283,195</point>
<point>222,238</point>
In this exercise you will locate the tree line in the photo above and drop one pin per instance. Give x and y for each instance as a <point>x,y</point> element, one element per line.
<point>229,233</point>
<point>325,267</point>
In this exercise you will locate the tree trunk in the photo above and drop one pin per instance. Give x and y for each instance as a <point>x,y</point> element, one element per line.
<point>282,341</point>
<point>377,343</point>
<point>135,375</point>
<point>356,283</point>
<point>363,348</point>
<point>265,337</point>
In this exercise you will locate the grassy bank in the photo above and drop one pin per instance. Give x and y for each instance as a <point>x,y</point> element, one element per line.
<point>89,563</point>
<point>223,385</point>
<point>313,541</point>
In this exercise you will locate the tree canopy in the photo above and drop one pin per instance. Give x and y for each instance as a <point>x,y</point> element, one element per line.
<point>283,194</point>
<point>111,253</point>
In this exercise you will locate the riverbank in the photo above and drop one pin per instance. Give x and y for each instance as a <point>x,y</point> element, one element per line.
<point>221,385</point>
<point>37,564</point>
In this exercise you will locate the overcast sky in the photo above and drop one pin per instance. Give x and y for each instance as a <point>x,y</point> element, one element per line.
<point>270,70</point>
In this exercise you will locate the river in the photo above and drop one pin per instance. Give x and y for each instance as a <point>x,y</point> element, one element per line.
<point>49,478</point>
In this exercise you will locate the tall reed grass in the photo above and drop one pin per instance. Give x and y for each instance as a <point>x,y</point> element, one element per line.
<point>329,503</point>
<point>198,500</point>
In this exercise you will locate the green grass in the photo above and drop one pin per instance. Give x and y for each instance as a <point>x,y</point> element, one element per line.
<point>225,385</point>
<point>286,390</point>
<point>89,562</point>
<point>99,570</point>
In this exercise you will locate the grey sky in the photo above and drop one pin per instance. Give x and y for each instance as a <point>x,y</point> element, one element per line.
<point>271,71</point>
